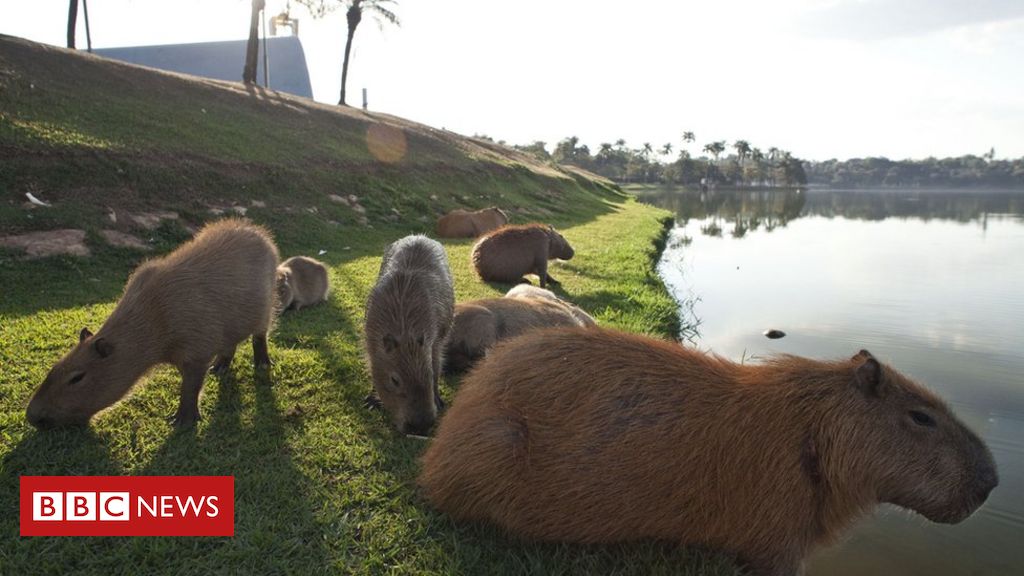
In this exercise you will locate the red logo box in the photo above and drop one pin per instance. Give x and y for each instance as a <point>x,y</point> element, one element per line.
<point>127,506</point>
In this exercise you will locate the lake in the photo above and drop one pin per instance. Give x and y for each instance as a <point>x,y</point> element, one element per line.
<point>930,282</point>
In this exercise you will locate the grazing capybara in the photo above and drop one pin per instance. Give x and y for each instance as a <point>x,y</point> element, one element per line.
<point>511,252</point>
<point>531,291</point>
<point>590,435</point>
<point>480,324</point>
<point>301,281</point>
<point>408,319</point>
<point>185,309</point>
<point>461,223</point>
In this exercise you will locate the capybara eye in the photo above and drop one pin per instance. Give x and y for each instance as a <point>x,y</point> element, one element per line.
<point>922,419</point>
<point>76,378</point>
<point>395,383</point>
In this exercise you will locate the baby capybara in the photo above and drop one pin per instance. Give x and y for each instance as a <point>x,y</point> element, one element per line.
<point>480,324</point>
<point>408,319</point>
<point>301,281</point>
<point>185,309</point>
<point>531,291</point>
<point>511,252</point>
<point>590,435</point>
<point>461,223</point>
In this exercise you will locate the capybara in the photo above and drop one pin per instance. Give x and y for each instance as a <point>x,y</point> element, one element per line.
<point>531,291</point>
<point>590,435</point>
<point>185,309</point>
<point>511,252</point>
<point>480,324</point>
<point>408,319</point>
<point>461,223</point>
<point>301,281</point>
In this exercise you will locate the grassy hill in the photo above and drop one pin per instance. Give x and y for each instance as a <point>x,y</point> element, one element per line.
<point>322,485</point>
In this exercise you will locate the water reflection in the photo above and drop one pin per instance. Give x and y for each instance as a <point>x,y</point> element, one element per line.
<point>737,212</point>
<point>933,282</point>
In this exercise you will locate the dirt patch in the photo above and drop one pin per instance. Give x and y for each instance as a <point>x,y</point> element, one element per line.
<point>122,240</point>
<point>49,243</point>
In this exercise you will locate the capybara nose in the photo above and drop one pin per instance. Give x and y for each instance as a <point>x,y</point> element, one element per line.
<point>418,427</point>
<point>38,420</point>
<point>987,480</point>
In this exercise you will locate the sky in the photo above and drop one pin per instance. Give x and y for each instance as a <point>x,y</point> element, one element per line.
<point>820,78</point>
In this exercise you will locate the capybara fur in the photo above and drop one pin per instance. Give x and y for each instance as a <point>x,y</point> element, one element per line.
<point>531,291</point>
<point>186,309</point>
<point>408,319</point>
<point>480,324</point>
<point>461,223</point>
<point>511,252</point>
<point>590,435</point>
<point>301,281</point>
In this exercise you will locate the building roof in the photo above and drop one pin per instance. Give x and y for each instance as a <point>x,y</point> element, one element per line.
<point>224,61</point>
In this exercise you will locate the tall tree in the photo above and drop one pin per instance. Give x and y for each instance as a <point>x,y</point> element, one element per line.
<point>666,149</point>
<point>354,15</point>
<point>72,22</point>
<point>252,48</point>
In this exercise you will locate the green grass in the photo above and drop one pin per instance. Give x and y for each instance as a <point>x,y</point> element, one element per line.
<point>322,485</point>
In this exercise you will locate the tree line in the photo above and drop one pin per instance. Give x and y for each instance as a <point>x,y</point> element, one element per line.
<point>965,171</point>
<point>745,166</point>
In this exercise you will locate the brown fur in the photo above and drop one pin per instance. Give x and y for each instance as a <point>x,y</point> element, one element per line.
<point>408,319</point>
<point>511,252</point>
<point>589,435</point>
<point>530,291</point>
<point>480,324</point>
<point>184,309</point>
<point>461,223</point>
<point>301,282</point>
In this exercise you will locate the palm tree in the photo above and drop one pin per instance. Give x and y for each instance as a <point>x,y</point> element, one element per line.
<point>72,22</point>
<point>647,150</point>
<point>666,149</point>
<point>354,15</point>
<point>742,151</point>
<point>252,48</point>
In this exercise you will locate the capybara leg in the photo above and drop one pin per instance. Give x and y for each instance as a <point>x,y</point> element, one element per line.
<point>552,280</point>
<point>223,362</point>
<point>188,406</point>
<point>438,351</point>
<point>542,272</point>
<point>260,358</point>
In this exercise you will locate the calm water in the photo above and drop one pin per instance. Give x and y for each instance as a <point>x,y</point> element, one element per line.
<point>932,282</point>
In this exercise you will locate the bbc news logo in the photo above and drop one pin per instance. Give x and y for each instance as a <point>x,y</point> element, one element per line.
<point>127,506</point>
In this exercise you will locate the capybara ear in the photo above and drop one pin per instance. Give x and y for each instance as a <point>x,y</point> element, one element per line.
<point>84,334</point>
<point>390,343</point>
<point>103,347</point>
<point>862,355</point>
<point>868,374</point>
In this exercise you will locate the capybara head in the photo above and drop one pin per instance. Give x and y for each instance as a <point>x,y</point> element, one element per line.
<point>499,215</point>
<point>285,293</point>
<point>558,246</point>
<point>403,376</point>
<point>922,456</point>
<point>88,379</point>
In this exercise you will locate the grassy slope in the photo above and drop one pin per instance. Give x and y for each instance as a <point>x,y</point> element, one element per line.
<point>321,484</point>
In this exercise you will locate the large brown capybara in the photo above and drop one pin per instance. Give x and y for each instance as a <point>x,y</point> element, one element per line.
<point>301,282</point>
<point>511,252</point>
<point>480,324</point>
<point>461,223</point>
<point>530,291</point>
<point>408,319</point>
<point>185,309</point>
<point>590,435</point>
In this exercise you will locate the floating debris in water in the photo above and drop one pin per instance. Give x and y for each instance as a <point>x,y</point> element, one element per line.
<point>774,334</point>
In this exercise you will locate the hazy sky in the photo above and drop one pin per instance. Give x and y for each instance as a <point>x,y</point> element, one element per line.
<point>822,78</point>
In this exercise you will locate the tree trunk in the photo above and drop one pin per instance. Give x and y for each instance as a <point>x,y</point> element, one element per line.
<point>354,16</point>
<point>72,22</point>
<point>252,48</point>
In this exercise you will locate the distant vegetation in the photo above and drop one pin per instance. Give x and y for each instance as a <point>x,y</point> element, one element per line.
<point>750,167</point>
<point>965,171</point>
